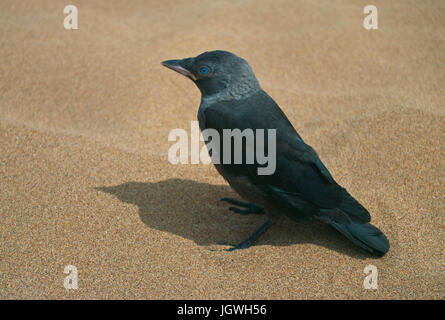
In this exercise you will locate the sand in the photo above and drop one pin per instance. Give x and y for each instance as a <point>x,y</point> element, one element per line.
<point>84,175</point>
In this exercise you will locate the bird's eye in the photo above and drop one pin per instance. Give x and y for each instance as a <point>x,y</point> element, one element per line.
<point>204,71</point>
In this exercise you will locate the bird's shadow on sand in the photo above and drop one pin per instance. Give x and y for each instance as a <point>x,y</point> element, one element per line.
<point>193,210</point>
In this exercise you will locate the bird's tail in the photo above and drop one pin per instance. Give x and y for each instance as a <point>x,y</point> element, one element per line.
<point>365,235</point>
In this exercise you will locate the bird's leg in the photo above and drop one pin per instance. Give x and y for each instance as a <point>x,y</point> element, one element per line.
<point>254,236</point>
<point>251,208</point>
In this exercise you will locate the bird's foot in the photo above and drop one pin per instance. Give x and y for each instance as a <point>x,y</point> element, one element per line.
<point>253,237</point>
<point>251,208</point>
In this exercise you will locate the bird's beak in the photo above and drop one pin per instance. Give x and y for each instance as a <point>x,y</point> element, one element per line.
<point>175,65</point>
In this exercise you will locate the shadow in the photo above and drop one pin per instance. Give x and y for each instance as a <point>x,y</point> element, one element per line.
<point>193,210</point>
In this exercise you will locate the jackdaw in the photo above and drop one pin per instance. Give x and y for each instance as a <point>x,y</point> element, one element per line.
<point>301,187</point>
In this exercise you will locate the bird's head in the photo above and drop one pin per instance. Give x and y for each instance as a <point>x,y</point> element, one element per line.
<point>217,73</point>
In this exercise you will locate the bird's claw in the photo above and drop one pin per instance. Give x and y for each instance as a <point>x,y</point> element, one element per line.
<point>251,208</point>
<point>253,237</point>
<point>242,245</point>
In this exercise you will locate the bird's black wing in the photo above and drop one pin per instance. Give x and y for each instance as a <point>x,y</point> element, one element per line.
<point>299,171</point>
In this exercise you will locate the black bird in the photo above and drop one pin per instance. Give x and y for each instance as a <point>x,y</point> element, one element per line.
<point>301,186</point>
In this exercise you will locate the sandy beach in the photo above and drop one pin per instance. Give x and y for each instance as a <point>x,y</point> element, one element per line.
<point>84,175</point>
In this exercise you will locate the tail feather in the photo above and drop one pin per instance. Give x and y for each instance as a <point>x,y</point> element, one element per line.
<point>365,235</point>
<point>353,208</point>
